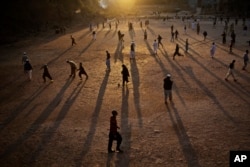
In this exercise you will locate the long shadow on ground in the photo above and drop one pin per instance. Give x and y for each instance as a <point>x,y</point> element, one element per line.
<point>94,119</point>
<point>123,158</point>
<point>135,76</point>
<point>187,148</point>
<point>51,131</point>
<point>36,124</point>
<point>20,108</point>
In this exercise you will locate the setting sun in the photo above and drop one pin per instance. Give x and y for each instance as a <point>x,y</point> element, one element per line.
<point>126,3</point>
<point>121,3</point>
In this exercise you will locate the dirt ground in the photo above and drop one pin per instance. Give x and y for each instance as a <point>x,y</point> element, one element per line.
<point>65,123</point>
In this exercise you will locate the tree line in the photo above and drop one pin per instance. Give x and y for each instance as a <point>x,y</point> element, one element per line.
<point>31,16</point>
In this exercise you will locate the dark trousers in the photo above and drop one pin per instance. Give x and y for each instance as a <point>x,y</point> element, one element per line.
<point>176,53</point>
<point>46,75</point>
<point>124,79</point>
<point>82,73</point>
<point>114,136</point>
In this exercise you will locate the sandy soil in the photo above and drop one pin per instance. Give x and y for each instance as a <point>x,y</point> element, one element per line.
<point>66,123</point>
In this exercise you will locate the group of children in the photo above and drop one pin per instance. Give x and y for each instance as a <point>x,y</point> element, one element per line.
<point>157,42</point>
<point>73,66</point>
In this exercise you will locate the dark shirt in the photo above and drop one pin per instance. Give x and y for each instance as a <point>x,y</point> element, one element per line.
<point>205,33</point>
<point>177,49</point>
<point>45,69</point>
<point>167,84</point>
<point>125,72</point>
<point>113,124</point>
<point>81,69</point>
<point>159,39</point>
<point>27,66</point>
<point>231,65</point>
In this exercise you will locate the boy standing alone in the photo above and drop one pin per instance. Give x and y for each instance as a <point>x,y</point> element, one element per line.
<point>114,134</point>
<point>167,85</point>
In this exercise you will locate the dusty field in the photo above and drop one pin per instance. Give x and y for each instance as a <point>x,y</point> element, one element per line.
<point>66,123</point>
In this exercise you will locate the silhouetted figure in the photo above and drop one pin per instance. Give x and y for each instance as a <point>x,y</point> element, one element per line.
<point>176,34</point>
<point>28,69</point>
<point>82,71</point>
<point>233,37</point>
<point>125,75</point>
<point>46,73</point>
<point>167,86</point>
<point>120,36</point>
<point>114,134</point>
<point>73,42</point>
<point>231,71</point>
<point>159,41</point>
<point>205,35</point>
<point>177,51</point>
<point>224,35</point>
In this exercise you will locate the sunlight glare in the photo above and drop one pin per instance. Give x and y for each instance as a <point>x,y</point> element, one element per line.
<point>126,3</point>
<point>122,3</point>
